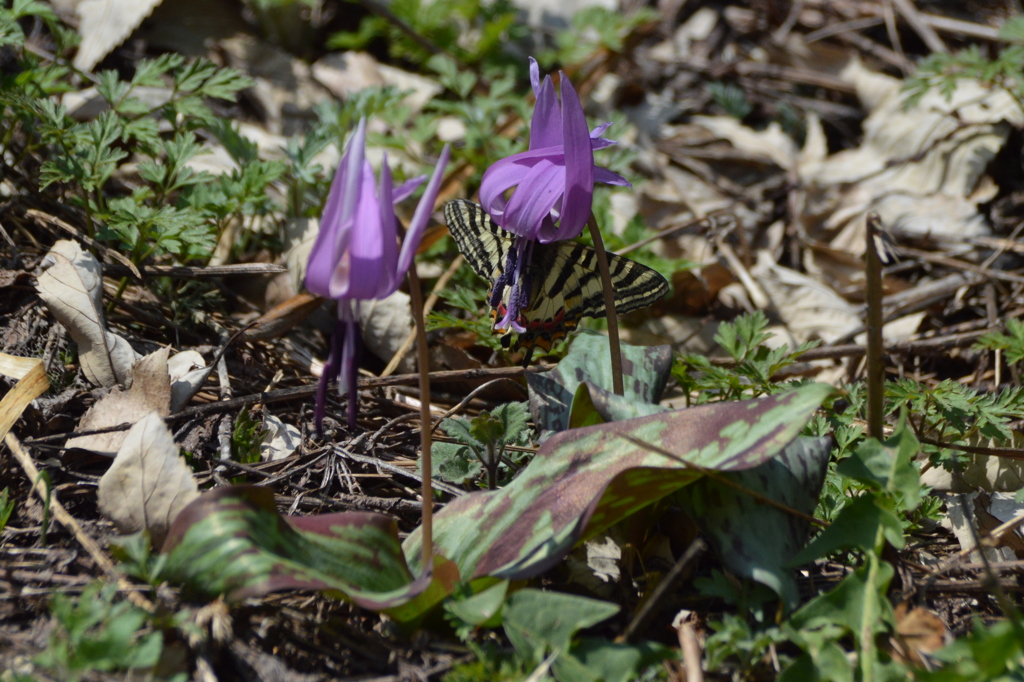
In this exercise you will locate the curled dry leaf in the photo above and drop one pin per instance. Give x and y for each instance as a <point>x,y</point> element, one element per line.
<point>148,483</point>
<point>150,392</point>
<point>281,440</point>
<point>71,285</point>
<point>188,372</point>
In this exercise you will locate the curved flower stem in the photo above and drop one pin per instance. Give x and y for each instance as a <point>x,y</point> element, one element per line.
<point>609,304</point>
<point>426,470</point>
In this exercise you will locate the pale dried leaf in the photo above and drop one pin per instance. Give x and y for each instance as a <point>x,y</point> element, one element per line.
<point>345,73</point>
<point>810,309</point>
<point>385,325</point>
<point>923,168</point>
<point>281,439</point>
<point>105,24</point>
<point>150,392</point>
<point>148,483</point>
<point>71,285</point>
<point>771,143</point>
<point>188,372</point>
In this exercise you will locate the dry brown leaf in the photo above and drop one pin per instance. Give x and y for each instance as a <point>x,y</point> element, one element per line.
<point>150,392</point>
<point>148,483</point>
<point>919,631</point>
<point>105,24</point>
<point>71,285</point>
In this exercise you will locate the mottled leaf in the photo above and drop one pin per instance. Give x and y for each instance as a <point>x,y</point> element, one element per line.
<point>753,539</point>
<point>233,541</point>
<point>645,371</point>
<point>585,480</point>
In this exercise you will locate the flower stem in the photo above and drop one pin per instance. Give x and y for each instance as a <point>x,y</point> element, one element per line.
<point>609,304</point>
<point>426,470</point>
<point>874,368</point>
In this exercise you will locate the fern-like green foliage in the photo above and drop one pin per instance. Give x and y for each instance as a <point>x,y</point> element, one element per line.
<point>944,71</point>
<point>755,363</point>
<point>1011,344</point>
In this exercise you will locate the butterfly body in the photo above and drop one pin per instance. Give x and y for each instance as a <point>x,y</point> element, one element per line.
<point>560,279</point>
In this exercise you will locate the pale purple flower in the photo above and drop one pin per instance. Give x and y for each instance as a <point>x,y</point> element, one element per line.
<point>356,255</point>
<point>554,186</point>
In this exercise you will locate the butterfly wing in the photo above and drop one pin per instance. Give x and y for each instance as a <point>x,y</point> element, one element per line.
<point>565,285</point>
<point>481,241</point>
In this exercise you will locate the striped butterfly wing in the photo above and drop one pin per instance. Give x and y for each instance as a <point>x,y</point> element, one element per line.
<point>565,284</point>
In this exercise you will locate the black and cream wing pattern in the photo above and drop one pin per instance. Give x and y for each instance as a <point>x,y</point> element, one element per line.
<point>563,279</point>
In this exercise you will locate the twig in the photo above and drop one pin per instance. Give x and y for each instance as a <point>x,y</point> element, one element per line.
<point>442,281</point>
<point>667,583</point>
<point>875,366</point>
<point>185,272</point>
<point>69,522</point>
<point>691,653</point>
<point>927,33</point>
<point>609,303</point>
<point>416,299</point>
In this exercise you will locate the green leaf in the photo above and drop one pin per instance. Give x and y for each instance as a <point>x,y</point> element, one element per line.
<point>755,540</point>
<point>856,527</point>
<point>859,607</point>
<point>482,608</point>
<point>454,462</point>
<point>538,622</point>
<point>645,372</point>
<point>583,481</point>
<point>591,659</point>
<point>888,465</point>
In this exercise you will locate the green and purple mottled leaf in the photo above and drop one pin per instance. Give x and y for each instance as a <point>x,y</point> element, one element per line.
<point>755,540</point>
<point>233,541</point>
<point>585,480</point>
<point>645,371</point>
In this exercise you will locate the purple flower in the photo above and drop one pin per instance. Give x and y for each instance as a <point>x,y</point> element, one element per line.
<point>356,255</point>
<point>554,186</point>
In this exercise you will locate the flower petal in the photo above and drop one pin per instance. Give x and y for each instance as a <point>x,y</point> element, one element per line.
<point>405,190</point>
<point>336,221</point>
<point>389,232</point>
<point>421,217</point>
<point>603,175</point>
<point>546,125</point>
<point>509,172</point>
<point>579,165</point>
<point>533,200</point>
<point>358,272</point>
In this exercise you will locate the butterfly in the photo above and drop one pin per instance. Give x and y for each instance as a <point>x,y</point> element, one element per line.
<point>563,281</point>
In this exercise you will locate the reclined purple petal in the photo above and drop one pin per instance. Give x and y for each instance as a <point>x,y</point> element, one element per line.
<point>421,217</point>
<point>579,165</point>
<point>406,189</point>
<point>546,125</point>
<point>352,273</point>
<point>336,222</point>
<point>533,199</point>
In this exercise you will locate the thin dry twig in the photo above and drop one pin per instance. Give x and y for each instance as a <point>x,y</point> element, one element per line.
<point>65,519</point>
